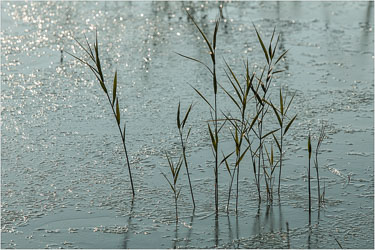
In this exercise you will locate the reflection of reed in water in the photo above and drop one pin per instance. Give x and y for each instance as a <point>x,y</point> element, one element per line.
<point>130,226</point>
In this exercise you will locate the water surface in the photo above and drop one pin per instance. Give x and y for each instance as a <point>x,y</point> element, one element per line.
<point>64,181</point>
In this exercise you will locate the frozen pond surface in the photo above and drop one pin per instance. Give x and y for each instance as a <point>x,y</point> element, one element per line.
<point>63,179</point>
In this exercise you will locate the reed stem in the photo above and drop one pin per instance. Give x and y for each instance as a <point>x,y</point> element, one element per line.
<point>308,176</point>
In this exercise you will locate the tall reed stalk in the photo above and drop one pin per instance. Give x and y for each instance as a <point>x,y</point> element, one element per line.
<point>308,175</point>
<point>214,135</point>
<point>320,140</point>
<point>180,126</point>
<point>98,72</point>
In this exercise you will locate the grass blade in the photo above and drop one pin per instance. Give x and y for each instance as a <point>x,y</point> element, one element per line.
<point>215,32</point>
<point>287,108</point>
<point>230,96</point>
<point>277,142</point>
<point>262,44</point>
<point>289,124</point>
<point>242,155</point>
<point>281,103</point>
<point>270,46</point>
<point>256,95</point>
<point>282,55</point>
<point>170,184</point>
<point>235,78</point>
<point>187,136</point>
<point>178,116</point>
<point>275,111</point>
<point>277,42</point>
<point>117,112</point>
<point>213,141</point>
<point>204,37</point>
<point>202,97</point>
<point>186,115</point>
<point>254,120</point>
<point>196,60</point>
<point>273,131</point>
<point>114,88</point>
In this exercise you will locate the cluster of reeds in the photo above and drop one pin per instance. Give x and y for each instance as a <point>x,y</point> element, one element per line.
<point>248,131</point>
<point>252,124</point>
<point>97,70</point>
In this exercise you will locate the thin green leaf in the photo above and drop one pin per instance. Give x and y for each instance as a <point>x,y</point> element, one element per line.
<point>215,33</point>
<point>98,65</point>
<point>273,131</point>
<point>281,103</point>
<point>170,184</point>
<point>177,170</point>
<point>235,78</point>
<point>187,136</point>
<point>273,169</point>
<point>227,165</point>
<point>289,124</point>
<point>282,55</point>
<point>222,125</point>
<point>277,115</point>
<point>242,155</point>
<point>178,194</point>
<point>230,96</point>
<point>215,81</point>
<point>114,88</point>
<point>178,116</point>
<point>89,47</point>
<point>277,142</point>
<point>213,141</point>
<point>217,141</point>
<point>196,60</point>
<point>202,97</point>
<point>254,120</point>
<point>103,86</point>
<point>287,108</point>
<point>84,62</point>
<point>235,137</point>
<point>270,48</point>
<point>117,112</point>
<point>171,166</point>
<point>225,157</point>
<point>275,111</point>
<point>204,37</point>
<point>186,115</point>
<point>234,86</point>
<point>262,44</point>
<point>257,96</point>
<point>268,155</point>
<point>82,47</point>
<point>274,48</point>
